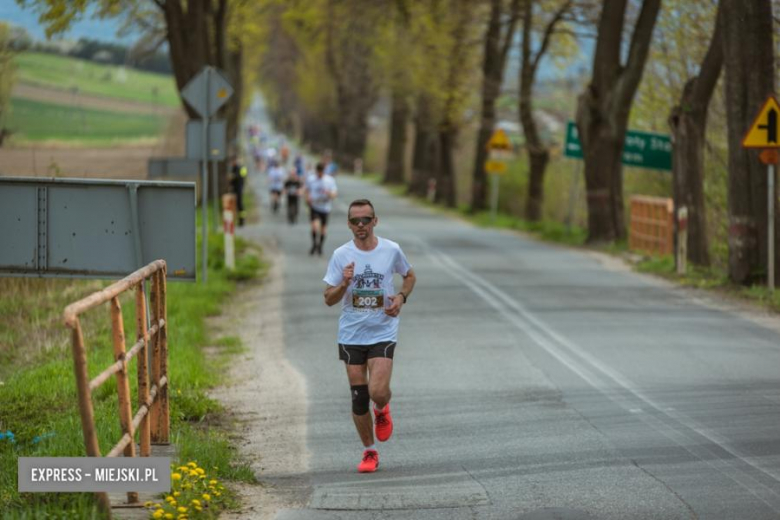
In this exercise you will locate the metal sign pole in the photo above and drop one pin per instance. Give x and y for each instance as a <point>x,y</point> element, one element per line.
<point>493,196</point>
<point>573,194</point>
<point>205,187</point>
<point>215,192</point>
<point>771,226</point>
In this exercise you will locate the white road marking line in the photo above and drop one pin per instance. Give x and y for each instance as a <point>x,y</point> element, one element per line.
<point>584,368</point>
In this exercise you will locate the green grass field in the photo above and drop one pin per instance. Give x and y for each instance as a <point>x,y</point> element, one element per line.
<point>36,121</point>
<point>65,73</point>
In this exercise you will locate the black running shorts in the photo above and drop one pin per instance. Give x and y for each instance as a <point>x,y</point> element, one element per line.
<point>318,215</point>
<point>360,354</point>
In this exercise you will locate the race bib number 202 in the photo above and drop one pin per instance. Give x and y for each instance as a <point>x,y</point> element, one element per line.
<point>368,300</point>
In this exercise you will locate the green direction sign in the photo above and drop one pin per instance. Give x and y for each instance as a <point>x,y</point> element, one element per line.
<point>641,149</point>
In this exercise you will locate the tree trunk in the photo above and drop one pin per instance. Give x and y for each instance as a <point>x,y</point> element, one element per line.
<point>688,122</point>
<point>445,176</point>
<point>602,114</point>
<point>538,153</point>
<point>425,153</point>
<point>602,163</point>
<point>749,65</point>
<point>537,159</point>
<point>395,172</point>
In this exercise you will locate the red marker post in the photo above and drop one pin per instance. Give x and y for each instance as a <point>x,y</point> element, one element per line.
<point>229,228</point>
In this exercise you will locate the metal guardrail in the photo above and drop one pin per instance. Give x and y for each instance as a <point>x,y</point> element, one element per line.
<point>652,225</point>
<point>152,420</point>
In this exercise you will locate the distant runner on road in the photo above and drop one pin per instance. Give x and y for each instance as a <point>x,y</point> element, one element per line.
<point>360,276</point>
<point>292,187</point>
<point>276,178</point>
<point>320,192</point>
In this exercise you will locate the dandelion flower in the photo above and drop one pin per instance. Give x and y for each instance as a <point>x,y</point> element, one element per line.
<point>175,476</point>
<point>206,497</point>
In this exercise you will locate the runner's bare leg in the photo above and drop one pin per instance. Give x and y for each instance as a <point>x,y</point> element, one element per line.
<point>364,424</point>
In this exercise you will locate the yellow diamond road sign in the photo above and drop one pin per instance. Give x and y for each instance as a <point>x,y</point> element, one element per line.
<point>765,130</point>
<point>499,141</point>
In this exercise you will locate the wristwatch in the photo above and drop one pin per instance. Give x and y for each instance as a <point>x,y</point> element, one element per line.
<point>403,295</point>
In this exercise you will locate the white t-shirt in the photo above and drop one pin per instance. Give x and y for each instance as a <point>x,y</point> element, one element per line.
<point>276,177</point>
<point>318,191</point>
<point>363,320</point>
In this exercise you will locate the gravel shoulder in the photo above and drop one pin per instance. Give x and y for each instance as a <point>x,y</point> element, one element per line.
<point>266,398</point>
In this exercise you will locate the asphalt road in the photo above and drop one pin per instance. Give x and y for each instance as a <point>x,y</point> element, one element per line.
<point>533,381</point>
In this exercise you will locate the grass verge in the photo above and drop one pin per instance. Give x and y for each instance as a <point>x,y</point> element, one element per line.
<point>38,404</point>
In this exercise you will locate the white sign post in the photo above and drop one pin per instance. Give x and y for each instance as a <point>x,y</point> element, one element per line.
<point>206,93</point>
<point>765,133</point>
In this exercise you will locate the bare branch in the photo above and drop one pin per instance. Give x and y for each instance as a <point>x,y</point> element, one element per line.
<point>548,33</point>
<point>640,47</point>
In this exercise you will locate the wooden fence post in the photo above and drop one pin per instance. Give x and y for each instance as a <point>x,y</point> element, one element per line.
<point>143,369</point>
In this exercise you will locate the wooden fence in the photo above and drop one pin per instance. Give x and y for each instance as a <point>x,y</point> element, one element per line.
<point>652,225</point>
<point>152,420</point>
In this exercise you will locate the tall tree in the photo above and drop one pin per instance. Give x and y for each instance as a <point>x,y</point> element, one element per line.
<point>749,72</point>
<point>399,57</point>
<point>349,31</point>
<point>603,110</point>
<point>688,122</point>
<point>455,86</point>
<point>498,39</point>
<point>538,152</point>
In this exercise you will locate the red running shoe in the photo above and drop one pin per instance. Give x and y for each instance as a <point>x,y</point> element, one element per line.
<point>383,423</point>
<point>370,462</point>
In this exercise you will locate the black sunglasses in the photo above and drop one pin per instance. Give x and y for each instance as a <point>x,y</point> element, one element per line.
<point>361,220</point>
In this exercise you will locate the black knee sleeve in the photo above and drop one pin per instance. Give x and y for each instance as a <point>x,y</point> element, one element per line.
<point>360,399</point>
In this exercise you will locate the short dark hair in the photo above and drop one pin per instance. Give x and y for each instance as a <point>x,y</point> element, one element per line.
<point>320,167</point>
<point>361,202</point>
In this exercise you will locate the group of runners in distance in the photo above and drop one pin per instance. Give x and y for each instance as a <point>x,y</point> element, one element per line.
<point>359,276</point>
<point>295,180</point>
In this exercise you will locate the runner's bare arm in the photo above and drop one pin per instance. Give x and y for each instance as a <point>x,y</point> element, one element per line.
<point>397,301</point>
<point>408,285</point>
<point>334,294</point>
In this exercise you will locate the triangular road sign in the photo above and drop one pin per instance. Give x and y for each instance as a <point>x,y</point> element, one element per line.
<point>499,141</point>
<point>765,130</point>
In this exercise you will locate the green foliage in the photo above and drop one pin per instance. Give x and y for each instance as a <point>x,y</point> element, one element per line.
<point>71,74</point>
<point>39,121</point>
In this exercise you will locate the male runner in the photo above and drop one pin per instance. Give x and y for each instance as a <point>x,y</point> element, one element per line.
<point>360,276</point>
<point>320,192</point>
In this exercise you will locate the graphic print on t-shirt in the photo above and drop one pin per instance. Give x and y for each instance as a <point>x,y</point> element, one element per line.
<point>367,295</point>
